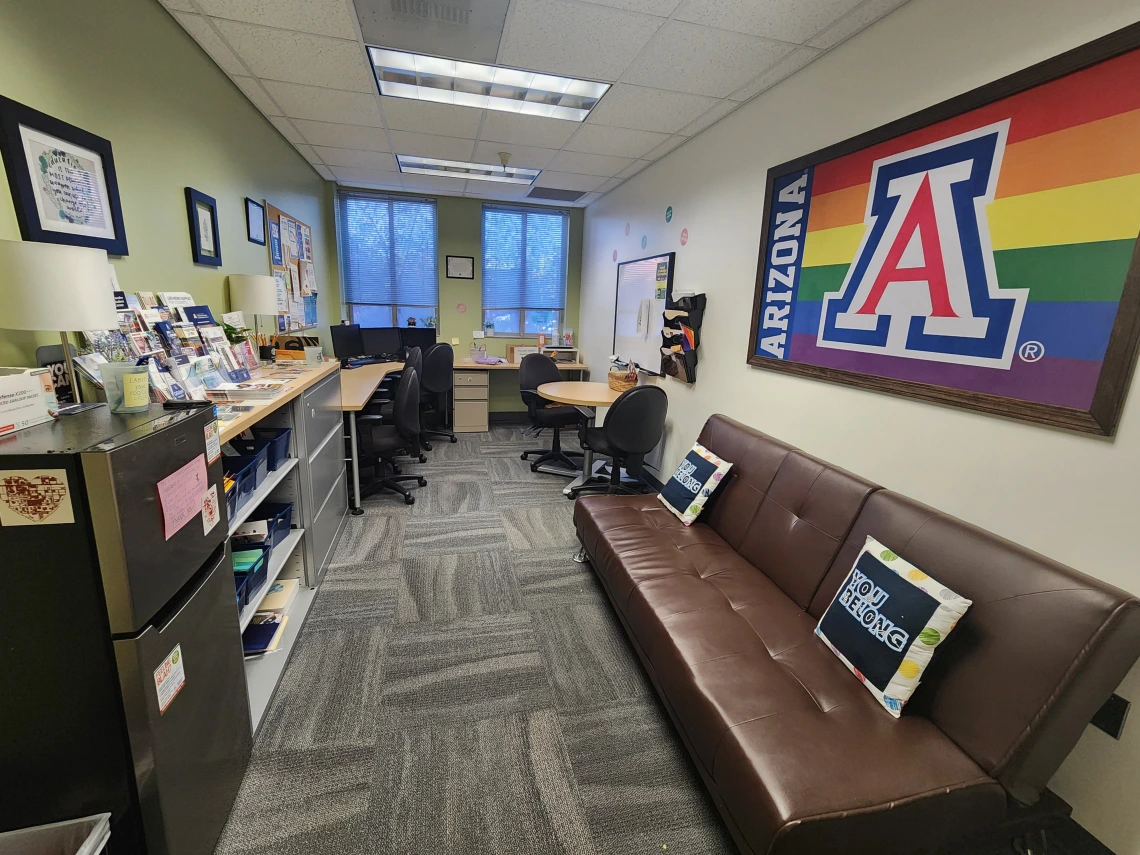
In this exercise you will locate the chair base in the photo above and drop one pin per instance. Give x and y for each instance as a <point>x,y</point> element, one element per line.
<point>394,482</point>
<point>441,434</point>
<point>561,458</point>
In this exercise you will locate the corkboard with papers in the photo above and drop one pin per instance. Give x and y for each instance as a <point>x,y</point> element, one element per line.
<point>294,268</point>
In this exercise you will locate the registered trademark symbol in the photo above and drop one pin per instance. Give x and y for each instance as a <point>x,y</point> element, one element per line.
<point>1031,351</point>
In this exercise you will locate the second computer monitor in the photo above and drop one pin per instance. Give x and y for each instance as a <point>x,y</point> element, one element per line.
<point>421,337</point>
<point>382,341</point>
<point>347,341</point>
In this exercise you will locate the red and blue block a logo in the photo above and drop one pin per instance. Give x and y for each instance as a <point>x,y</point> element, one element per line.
<point>923,283</point>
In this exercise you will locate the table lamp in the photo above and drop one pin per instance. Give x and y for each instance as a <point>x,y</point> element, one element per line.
<point>47,286</point>
<point>253,294</point>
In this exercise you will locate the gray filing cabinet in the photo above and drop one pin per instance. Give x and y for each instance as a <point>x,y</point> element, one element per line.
<point>318,427</point>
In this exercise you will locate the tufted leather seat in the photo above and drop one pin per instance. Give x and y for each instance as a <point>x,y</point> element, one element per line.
<point>799,757</point>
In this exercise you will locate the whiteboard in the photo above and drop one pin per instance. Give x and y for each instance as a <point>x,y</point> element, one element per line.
<point>643,288</point>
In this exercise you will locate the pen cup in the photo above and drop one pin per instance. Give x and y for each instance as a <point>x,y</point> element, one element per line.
<point>314,355</point>
<point>127,387</point>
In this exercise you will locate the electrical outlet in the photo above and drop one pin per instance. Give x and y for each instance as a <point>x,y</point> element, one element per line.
<point>455,341</point>
<point>1111,717</point>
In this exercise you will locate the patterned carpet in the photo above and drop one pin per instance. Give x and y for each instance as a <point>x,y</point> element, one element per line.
<point>461,686</point>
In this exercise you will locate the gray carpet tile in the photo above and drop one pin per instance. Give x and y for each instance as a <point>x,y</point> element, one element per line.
<point>447,498</point>
<point>449,587</point>
<point>462,671</point>
<point>549,526</point>
<point>514,469</point>
<point>507,449</point>
<point>516,494</point>
<point>302,802</point>
<point>467,469</point>
<point>515,766</point>
<point>588,656</point>
<point>452,534</point>
<point>359,602</point>
<point>551,577</point>
<point>638,786</point>
<point>329,694</point>
<point>372,537</point>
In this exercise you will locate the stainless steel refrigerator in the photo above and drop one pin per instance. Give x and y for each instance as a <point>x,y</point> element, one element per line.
<point>122,686</point>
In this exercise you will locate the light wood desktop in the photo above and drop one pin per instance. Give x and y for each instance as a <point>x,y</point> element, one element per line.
<point>357,386</point>
<point>311,377</point>
<point>587,397</point>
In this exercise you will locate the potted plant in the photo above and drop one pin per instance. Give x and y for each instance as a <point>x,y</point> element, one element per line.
<point>489,327</point>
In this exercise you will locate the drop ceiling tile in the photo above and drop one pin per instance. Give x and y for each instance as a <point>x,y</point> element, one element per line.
<point>346,157</point>
<point>322,17</point>
<point>527,130</point>
<point>324,172</point>
<point>308,153</point>
<point>665,147</point>
<point>703,61</point>
<point>525,156</point>
<point>491,190</point>
<point>435,184</point>
<point>859,19</point>
<point>253,91</point>
<point>569,181</point>
<point>633,169</point>
<point>179,5</point>
<point>445,148</point>
<point>347,173</point>
<point>325,105</point>
<point>590,164</point>
<point>642,108</point>
<point>660,8</point>
<point>201,31</point>
<point>287,130</point>
<point>787,20</point>
<point>622,142</point>
<point>611,184</point>
<point>786,67</point>
<point>273,54</point>
<point>578,39</point>
<point>343,136</point>
<point>715,114</point>
<point>424,117</point>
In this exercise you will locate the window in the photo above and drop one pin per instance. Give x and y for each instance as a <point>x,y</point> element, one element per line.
<point>388,259</point>
<point>524,270</point>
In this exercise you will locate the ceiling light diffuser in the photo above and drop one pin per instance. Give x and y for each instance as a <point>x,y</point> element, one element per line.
<point>458,169</point>
<point>470,84</point>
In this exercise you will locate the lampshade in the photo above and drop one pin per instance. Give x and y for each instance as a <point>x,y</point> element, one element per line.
<point>46,286</point>
<point>253,294</point>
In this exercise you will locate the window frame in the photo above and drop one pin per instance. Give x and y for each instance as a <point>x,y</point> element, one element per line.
<point>552,337</point>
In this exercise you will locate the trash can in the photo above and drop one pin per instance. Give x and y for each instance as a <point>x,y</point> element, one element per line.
<point>87,836</point>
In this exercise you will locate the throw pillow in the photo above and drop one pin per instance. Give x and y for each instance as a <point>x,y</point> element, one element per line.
<point>886,621</point>
<point>699,474</point>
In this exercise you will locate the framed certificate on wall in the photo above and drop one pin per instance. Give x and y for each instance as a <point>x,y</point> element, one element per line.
<point>460,267</point>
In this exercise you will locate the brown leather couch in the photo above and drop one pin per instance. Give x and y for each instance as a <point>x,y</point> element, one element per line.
<point>797,754</point>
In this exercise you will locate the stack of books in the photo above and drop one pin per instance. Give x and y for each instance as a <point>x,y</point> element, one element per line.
<point>251,390</point>
<point>263,635</point>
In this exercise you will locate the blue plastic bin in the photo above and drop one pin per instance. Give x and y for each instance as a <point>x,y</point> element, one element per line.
<point>280,518</point>
<point>279,439</point>
<point>244,472</point>
<point>258,448</point>
<point>253,565</point>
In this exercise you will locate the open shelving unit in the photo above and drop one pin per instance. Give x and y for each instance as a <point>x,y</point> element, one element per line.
<point>277,560</point>
<point>262,673</point>
<point>271,482</point>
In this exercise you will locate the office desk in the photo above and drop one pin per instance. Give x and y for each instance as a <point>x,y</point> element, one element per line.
<point>472,391</point>
<point>357,386</point>
<point>587,397</point>
<point>306,381</point>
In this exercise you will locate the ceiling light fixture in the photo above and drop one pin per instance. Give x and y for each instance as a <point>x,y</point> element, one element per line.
<point>469,84</point>
<point>457,169</point>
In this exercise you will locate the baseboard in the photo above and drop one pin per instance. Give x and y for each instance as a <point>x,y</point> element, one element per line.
<point>512,418</point>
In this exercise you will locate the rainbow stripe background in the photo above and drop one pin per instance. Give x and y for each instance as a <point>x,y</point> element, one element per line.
<point>1063,223</point>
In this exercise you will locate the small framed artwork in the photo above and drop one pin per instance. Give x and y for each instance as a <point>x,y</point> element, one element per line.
<point>255,221</point>
<point>202,211</point>
<point>63,181</point>
<point>460,267</point>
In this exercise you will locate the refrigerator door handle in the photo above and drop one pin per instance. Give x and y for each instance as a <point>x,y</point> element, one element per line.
<point>174,608</point>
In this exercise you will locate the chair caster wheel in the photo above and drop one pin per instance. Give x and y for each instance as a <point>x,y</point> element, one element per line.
<point>422,482</point>
<point>522,456</point>
<point>423,458</point>
<point>396,470</point>
<point>534,467</point>
<point>409,500</point>
<point>455,439</point>
<point>427,445</point>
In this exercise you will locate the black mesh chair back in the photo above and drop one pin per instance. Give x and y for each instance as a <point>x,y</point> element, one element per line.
<point>406,407</point>
<point>636,420</point>
<point>438,368</point>
<point>414,359</point>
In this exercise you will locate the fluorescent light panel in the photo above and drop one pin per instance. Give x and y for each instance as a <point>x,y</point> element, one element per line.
<point>470,84</point>
<point>458,169</point>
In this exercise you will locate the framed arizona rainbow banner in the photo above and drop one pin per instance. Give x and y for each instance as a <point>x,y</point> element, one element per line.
<point>982,253</point>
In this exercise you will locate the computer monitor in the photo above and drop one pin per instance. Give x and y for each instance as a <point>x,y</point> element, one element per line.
<point>382,341</point>
<point>421,337</point>
<point>347,341</point>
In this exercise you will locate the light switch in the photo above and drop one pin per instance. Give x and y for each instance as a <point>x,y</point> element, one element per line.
<point>455,341</point>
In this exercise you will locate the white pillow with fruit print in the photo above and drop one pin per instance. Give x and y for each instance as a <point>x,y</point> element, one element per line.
<point>886,621</point>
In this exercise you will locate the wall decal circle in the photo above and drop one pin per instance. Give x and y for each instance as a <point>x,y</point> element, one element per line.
<point>644,241</point>
<point>615,255</point>
<point>669,214</point>
<point>627,228</point>
<point>684,236</point>
<point>461,308</point>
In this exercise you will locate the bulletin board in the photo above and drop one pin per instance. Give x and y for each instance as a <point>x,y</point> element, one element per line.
<point>294,269</point>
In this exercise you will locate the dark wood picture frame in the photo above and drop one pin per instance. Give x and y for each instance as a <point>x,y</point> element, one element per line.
<point>195,201</point>
<point>1120,357</point>
<point>250,215</point>
<point>447,266</point>
<point>13,115</point>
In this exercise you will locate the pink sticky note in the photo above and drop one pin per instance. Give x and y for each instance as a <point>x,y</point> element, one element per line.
<point>180,494</point>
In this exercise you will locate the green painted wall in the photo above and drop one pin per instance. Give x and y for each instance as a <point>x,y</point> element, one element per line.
<point>126,70</point>
<point>459,226</point>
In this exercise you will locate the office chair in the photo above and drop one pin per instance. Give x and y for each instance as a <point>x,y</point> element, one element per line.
<point>633,427</point>
<point>438,379</point>
<point>382,442</point>
<point>534,370</point>
<point>381,401</point>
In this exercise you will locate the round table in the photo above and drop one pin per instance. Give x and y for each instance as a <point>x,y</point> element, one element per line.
<point>587,397</point>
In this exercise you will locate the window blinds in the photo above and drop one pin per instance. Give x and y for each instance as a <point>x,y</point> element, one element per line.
<point>524,258</point>
<point>388,250</point>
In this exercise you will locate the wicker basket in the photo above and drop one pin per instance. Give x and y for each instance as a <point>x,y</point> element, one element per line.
<point>622,381</point>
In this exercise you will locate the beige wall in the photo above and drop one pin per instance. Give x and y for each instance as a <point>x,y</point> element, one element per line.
<point>1070,496</point>
<point>126,71</point>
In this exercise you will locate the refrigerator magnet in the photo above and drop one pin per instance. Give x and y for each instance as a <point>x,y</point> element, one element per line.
<point>35,497</point>
<point>210,512</point>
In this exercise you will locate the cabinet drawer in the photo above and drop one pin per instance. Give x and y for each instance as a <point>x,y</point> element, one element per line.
<point>326,465</point>
<point>470,415</point>
<point>470,378</point>
<point>322,411</point>
<point>470,393</point>
<point>327,524</point>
